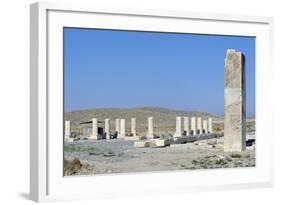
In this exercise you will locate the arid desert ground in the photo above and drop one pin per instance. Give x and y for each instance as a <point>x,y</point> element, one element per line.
<point>87,157</point>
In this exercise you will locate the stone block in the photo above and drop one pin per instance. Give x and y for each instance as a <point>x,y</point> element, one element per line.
<point>181,140</point>
<point>140,144</point>
<point>187,145</point>
<point>161,142</point>
<point>134,138</point>
<point>67,140</point>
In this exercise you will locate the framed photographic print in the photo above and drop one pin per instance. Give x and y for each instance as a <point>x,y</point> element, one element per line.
<point>131,102</point>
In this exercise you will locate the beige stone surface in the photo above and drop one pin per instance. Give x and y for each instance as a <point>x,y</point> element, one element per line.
<point>150,134</point>
<point>94,129</point>
<point>67,131</point>
<point>205,126</point>
<point>178,127</point>
<point>134,138</point>
<point>153,143</point>
<point>133,127</point>
<point>186,125</point>
<point>234,102</point>
<point>210,125</point>
<point>122,128</point>
<point>69,140</point>
<point>162,142</point>
<point>199,125</point>
<point>140,144</point>
<point>193,125</point>
<point>107,128</point>
<point>117,125</point>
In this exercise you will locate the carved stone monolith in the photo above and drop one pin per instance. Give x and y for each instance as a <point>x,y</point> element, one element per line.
<point>234,102</point>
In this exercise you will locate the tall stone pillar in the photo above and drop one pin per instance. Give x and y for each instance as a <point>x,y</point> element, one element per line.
<point>205,126</point>
<point>186,125</point>
<point>150,134</point>
<point>107,128</point>
<point>210,125</point>
<point>133,127</point>
<point>67,131</point>
<point>122,127</point>
<point>178,127</point>
<point>199,125</point>
<point>117,126</point>
<point>193,125</point>
<point>94,129</point>
<point>234,102</point>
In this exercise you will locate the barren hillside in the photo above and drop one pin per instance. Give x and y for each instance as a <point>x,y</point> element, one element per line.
<point>164,119</point>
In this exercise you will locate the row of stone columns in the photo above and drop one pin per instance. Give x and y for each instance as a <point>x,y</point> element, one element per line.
<point>120,127</point>
<point>196,126</point>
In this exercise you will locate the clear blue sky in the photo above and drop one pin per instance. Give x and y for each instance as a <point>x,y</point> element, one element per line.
<point>105,68</point>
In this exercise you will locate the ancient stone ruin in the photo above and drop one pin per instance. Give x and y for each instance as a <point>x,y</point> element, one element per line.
<point>234,102</point>
<point>194,128</point>
<point>67,131</point>
<point>184,135</point>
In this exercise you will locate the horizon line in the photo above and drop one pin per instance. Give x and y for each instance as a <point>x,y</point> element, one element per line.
<point>145,107</point>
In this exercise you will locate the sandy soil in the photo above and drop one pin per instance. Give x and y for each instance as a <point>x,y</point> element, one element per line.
<point>119,156</point>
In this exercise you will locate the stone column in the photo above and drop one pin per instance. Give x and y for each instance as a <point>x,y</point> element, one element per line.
<point>150,134</point>
<point>199,125</point>
<point>205,126</point>
<point>94,129</point>
<point>117,126</point>
<point>210,125</point>
<point>186,125</point>
<point>107,128</point>
<point>122,127</point>
<point>133,126</point>
<point>234,102</point>
<point>67,131</point>
<point>178,127</point>
<point>193,125</point>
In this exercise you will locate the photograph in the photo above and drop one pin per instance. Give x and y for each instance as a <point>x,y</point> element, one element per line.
<point>146,101</point>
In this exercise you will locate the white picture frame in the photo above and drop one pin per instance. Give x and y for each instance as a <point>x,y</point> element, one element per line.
<point>46,151</point>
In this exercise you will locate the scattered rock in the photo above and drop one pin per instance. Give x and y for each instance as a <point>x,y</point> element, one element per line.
<point>140,144</point>
<point>166,136</point>
<point>71,167</point>
<point>109,153</point>
<point>221,161</point>
<point>235,155</point>
<point>95,153</point>
<point>211,141</point>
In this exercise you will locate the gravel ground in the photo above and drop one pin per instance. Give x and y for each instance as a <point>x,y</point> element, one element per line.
<point>119,156</point>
